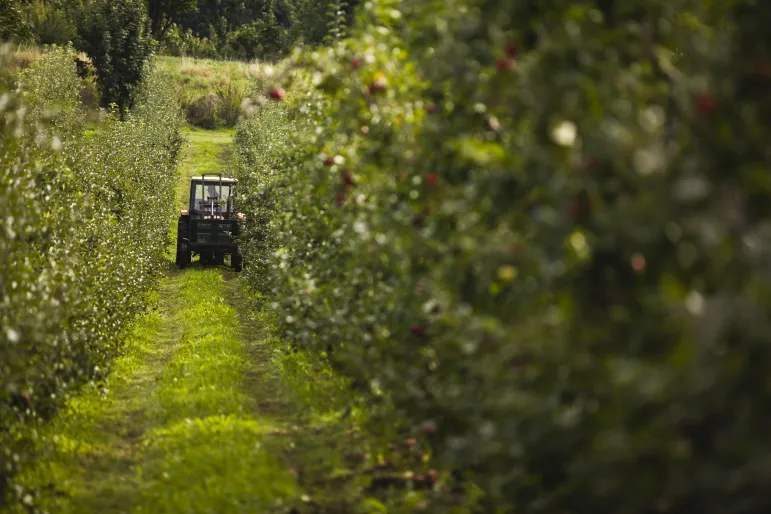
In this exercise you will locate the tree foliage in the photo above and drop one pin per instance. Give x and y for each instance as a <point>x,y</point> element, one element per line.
<point>116,36</point>
<point>266,29</point>
<point>234,29</point>
<point>12,22</point>
<point>85,225</point>
<point>53,22</point>
<point>536,235</point>
<point>162,14</point>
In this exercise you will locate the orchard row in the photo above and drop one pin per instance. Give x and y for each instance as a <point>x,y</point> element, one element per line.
<point>536,237</point>
<point>85,223</point>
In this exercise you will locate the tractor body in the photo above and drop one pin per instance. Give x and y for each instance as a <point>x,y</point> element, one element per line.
<point>209,227</point>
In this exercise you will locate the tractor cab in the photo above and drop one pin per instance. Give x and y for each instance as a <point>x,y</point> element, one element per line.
<point>210,199</point>
<point>209,226</point>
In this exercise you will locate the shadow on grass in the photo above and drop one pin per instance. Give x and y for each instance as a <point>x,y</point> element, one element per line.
<point>319,429</point>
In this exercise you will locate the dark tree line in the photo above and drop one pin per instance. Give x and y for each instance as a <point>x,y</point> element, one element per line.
<point>241,29</point>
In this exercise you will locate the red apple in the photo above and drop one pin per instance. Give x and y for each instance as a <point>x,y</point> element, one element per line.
<point>763,68</point>
<point>417,330</point>
<point>276,93</point>
<point>432,179</point>
<point>512,50</point>
<point>428,427</point>
<point>573,210</point>
<point>638,263</point>
<point>504,64</point>
<point>704,104</point>
<point>378,84</point>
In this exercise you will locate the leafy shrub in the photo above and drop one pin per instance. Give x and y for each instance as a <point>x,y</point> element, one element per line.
<point>85,226</point>
<point>262,146</point>
<point>536,236</point>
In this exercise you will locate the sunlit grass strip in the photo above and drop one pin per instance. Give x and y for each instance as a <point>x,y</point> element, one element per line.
<point>206,453</point>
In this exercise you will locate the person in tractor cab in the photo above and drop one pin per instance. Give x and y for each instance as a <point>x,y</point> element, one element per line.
<point>212,199</point>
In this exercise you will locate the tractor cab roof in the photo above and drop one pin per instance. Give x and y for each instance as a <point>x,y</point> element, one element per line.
<point>211,178</point>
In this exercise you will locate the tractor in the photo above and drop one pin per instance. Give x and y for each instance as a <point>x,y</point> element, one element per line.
<point>209,227</point>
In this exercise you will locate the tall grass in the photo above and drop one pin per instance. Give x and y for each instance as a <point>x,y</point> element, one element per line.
<point>210,93</point>
<point>20,56</point>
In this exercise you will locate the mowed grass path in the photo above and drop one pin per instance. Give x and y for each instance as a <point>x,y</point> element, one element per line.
<point>179,426</point>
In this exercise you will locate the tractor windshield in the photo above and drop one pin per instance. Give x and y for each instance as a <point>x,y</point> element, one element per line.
<point>212,199</point>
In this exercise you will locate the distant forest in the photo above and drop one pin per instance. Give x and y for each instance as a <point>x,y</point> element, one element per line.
<point>231,29</point>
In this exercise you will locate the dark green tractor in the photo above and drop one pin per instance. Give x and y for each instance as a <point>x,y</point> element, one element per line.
<point>209,227</point>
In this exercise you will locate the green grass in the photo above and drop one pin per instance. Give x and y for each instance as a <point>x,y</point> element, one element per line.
<point>174,429</point>
<point>202,76</point>
<point>205,450</point>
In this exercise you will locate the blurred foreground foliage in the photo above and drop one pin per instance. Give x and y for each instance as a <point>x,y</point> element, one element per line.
<point>85,222</point>
<point>535,235</point>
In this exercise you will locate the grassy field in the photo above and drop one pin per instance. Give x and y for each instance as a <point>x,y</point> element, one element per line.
<point>203,76</point>
<point>225,83</point>
<point>210,92</point>
<point>198,77</point>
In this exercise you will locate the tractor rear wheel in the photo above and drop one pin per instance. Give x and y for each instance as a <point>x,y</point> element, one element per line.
<point>237,262</point>
<point>183,247</point>
<point>184,255</point>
